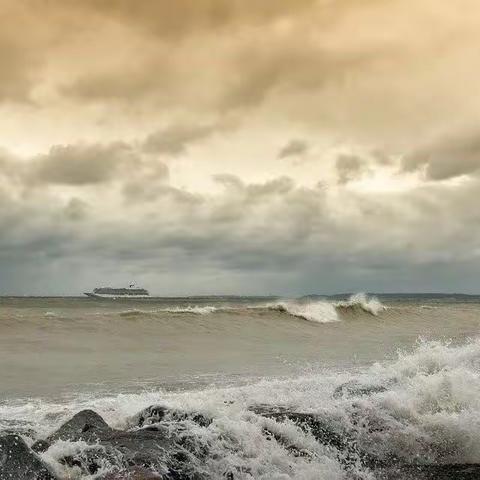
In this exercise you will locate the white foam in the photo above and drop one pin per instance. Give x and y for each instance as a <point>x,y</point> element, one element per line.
<point>320,312</point>
<point>428,409</point>
<point>361,300</point>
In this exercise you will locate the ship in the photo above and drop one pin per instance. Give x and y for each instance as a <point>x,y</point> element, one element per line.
<point>108,292</point>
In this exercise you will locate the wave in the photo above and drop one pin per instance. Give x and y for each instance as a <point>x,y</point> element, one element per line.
<point>326,312</point>
<point>194,310</point>
<point>314,311</point>
<point>422,407</point>
<point>320,312</point>
<point>360,301</point>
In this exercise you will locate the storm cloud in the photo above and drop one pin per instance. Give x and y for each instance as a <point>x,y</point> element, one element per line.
<point>448,157</point>
<point>161,142</point>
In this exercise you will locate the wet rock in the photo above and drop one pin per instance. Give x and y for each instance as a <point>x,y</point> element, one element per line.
<point>40,446</point>
<point>321,429</point>
<point>143,448</point>
<point>19,462</point>
<point>91,460</point>
<point>431,472</point>
<point>153,448</point>
<point>158,445</point>
<point>159,413</point>
<point>134,474</point>
<point>150,415</point>
<point>86,425</point>
<point>326,432</point>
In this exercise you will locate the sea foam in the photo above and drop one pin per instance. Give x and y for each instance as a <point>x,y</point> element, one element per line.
<point>424,405</point>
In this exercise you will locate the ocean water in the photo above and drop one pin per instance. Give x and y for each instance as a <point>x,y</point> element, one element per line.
<point>418,356</point>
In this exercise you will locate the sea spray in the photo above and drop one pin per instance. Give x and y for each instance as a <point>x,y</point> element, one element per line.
<point>320,312</point>
<point>423,406</point>
<point>324,311</point>
<point>360,301</point>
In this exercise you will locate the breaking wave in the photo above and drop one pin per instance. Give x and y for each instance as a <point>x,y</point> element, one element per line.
<point>361,302</point>
<point>326,312</point>
<point>321,312</point>
<point>423,408</point>
<point>314,311</point>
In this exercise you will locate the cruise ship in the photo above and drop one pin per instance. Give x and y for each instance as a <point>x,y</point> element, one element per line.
<point>108,292</point>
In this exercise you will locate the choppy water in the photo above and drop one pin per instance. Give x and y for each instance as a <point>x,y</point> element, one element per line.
<point>221,356</point>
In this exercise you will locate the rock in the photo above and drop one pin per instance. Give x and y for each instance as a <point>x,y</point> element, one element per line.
<point>321,429</point>
<point>41,446</point>
<point>431,472</point>
<point>327,433</point>
<point>150,415</point>
<point>155,444</point>
<point>19,462</point>
<point>159,413</point>
<point>143,448</point>
<point>134,474</point>
<point>153,448</point>
<point>86,425</point>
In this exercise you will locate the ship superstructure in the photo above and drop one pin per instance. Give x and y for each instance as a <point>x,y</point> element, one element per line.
<point>108,292</point>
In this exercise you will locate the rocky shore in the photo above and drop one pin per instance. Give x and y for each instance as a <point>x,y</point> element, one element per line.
<point>157,446</point>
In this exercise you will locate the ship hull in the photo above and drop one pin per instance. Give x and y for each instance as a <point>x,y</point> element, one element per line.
<point>114,297</point>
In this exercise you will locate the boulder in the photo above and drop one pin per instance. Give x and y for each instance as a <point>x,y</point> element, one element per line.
<point>86,425</point>
<point>41,446</point>
<point>159,413</point>
<point>19,462</point>
<point>431,472</point>
<point>328,433</point>
<point>134,473</point>
<point>153,447</point>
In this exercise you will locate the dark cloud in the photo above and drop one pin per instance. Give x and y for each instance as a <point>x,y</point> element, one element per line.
<point>293,148</point>
<point>76,210</point>
<point>350,167</point>
<point>275,232</point>
<point>447,158</point>
<point>175,139</point>
<point>81,164</point>
<point>171,20</point>
<point>89,71</point>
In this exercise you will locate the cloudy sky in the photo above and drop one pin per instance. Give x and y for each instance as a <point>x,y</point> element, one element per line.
<point>239,146</point>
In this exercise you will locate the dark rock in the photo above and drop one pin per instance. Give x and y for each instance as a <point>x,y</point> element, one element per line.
<point>86,425</point>
<point>134,473</point>
<point>41,446</point>
<point>159,413</point>
<point>144,448</point>
<point>19,462</point>
<point>150,415</point>
<point>326,432</point>
<point>431,472</point>
<point>320,428</point>
<point>91,460</point>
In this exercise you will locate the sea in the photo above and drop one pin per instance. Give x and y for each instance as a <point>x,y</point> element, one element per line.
<point>410,363</point>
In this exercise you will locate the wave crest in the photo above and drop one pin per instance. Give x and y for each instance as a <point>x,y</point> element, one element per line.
<point>320,312</point>
<point>360,301</point>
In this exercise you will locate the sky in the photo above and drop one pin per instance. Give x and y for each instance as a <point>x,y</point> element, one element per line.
<point>239,147</point>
